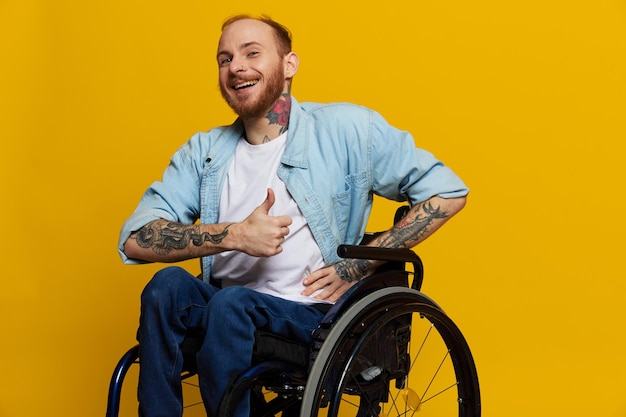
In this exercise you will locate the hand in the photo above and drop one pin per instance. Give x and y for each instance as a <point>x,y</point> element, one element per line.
<point>261,234</point>
<point>337,279</point>
<point>328,280</point>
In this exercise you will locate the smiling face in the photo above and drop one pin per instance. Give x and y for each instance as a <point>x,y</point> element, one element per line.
<point>252,74</point>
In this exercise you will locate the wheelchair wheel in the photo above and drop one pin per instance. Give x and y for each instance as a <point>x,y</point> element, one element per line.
<point>393,353</point>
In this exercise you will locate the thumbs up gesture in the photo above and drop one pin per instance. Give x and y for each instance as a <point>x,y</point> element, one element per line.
<point>261,234</point>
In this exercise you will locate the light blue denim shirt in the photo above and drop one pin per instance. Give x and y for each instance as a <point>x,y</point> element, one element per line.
<point>337,157</point>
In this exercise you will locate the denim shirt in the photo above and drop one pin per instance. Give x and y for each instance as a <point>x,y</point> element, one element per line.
<point>337,157</point>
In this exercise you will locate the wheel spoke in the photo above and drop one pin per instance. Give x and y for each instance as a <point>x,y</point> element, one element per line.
<point>447,355</point>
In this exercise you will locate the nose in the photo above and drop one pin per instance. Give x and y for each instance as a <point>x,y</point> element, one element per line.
<point>236,65</point>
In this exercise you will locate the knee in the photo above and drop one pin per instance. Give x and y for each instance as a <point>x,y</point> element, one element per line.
<point>162,285</point>
<point>230,300</point>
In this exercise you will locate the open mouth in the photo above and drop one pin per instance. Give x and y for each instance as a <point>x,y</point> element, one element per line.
<point>244,85</point>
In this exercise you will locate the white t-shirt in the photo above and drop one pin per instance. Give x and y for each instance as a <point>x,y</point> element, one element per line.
<point>253,171</point>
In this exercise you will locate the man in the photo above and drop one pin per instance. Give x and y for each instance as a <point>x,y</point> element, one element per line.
<point>264,203</point>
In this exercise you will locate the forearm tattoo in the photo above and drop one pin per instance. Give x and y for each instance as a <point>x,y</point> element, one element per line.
<point>404,234</point>
<point>410,231</point>
<point>352,270</point>
<point>163,238</point>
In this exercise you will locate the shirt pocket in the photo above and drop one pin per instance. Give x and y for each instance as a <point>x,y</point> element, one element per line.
<point>350,207</point>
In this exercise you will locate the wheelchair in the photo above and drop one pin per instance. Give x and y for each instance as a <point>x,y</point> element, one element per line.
<point>384,349</point>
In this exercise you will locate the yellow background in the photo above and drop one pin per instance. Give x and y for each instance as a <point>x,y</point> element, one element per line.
<point>525,100</point>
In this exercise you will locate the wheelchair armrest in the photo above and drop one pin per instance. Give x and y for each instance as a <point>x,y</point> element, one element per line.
<point>377,253</point>
<point>402,255</point>
<point>392,274</point>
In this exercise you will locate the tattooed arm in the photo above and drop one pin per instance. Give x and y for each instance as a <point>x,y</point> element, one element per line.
<point>164,241</point>
<point>419,223</point>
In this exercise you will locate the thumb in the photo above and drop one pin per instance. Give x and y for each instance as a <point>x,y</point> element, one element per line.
<point>268,203</point>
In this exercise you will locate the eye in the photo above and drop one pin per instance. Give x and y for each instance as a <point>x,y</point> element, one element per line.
<point>253,53</point>
<point>225,61</point>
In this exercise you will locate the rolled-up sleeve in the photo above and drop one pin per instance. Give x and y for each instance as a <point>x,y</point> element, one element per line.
<point>404,172</point>
<point>176,197</point>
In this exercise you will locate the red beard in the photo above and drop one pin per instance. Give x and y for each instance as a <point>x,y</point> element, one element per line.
<point>247,107</point>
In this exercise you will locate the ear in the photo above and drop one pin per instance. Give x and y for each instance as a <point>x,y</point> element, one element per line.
<point>291,64</point>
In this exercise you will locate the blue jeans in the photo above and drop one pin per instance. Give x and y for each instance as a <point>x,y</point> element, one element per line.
<point>174,304</point>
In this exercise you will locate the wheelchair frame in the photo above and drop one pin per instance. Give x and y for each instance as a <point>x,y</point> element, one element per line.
<point>363,344</point>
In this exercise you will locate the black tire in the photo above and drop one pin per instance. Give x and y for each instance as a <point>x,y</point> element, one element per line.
<point>438,376</point>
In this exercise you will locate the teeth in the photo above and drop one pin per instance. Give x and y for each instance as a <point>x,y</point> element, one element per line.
<point>246,84</point>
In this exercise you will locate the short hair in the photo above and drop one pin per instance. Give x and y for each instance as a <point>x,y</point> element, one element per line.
<point>283,35</point>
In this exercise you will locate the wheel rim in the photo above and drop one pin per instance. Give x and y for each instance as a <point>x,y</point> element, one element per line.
<point>441,378</point>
